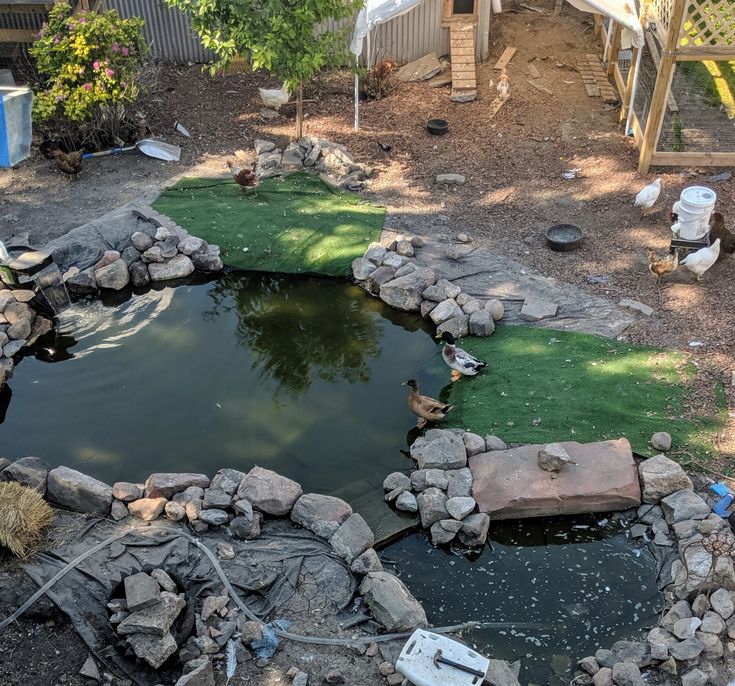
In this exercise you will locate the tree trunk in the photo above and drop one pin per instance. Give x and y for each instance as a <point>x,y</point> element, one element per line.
<point>299,112</point>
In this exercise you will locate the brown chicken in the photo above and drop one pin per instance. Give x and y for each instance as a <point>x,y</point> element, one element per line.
<point>717,230</point>
<point>244,177</point>
<point>660,266</point>
<point>69,163</point>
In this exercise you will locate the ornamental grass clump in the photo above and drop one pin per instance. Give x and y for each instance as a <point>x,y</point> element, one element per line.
<point>24,515</point>
<point>89,66</point>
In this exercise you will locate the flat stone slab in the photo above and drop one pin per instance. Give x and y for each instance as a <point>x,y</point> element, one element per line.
<point>535,309</point>
<point>485,275</point>
<point>509,484</point>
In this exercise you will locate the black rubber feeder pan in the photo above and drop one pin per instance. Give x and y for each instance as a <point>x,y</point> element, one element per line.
<point>437,127</point>
<point>564,237</point>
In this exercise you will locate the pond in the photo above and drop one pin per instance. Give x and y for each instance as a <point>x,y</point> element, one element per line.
<point>302,375</point>
<point>299,375</point>
<point>559,588</point>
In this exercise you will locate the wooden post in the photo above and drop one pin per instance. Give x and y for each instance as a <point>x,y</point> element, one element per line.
<point>626,103</point>
<point>663,86</point>
<point>598,25</point>
<point>612,54</point>
<point>300,112</point>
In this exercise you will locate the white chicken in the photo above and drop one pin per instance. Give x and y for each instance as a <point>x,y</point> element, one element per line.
<point>700,261</point>
<point>647,198</point>
<point>274,98</point>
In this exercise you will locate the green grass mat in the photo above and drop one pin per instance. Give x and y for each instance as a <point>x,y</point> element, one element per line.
<point>295,225</point>
<point>542,386</point>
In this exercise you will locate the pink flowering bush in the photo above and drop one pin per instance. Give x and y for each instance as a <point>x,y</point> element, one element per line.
<point>88,64</point>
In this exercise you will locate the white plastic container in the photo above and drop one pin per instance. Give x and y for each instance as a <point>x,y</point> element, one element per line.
<point>416,661</point>
<point>694,209</point>
<point>15,125</point>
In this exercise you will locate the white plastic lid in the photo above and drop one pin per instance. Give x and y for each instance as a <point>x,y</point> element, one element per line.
<point>700,196</point>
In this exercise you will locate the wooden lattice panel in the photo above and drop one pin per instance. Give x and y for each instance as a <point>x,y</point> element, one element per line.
<point>660,12</point>
<point>709,23</point>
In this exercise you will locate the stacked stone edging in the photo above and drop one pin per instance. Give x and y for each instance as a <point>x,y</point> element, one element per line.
<point>440,490</point>
<point>697,628</point>
<point>240,501</point>
<point>391,274</point>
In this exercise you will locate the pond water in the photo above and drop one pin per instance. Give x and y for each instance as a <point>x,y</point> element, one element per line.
<point>298,375</point>
<point>303,376</point>
<point>560,588</point>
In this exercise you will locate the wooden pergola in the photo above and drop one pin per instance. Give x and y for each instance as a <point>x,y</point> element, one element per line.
<point>686,30</point>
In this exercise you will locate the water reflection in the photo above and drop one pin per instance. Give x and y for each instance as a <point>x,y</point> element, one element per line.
<point>293,332</point>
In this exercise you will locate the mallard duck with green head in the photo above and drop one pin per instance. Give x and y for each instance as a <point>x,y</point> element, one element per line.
<point>459,361</point>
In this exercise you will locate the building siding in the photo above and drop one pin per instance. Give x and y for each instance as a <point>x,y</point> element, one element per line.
<point>403,39</point>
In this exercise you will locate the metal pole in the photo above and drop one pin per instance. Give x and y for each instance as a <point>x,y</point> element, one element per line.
<point>357,101</point>
<point>634,92</point>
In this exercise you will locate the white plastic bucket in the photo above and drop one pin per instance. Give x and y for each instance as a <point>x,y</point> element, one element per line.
<point>694,209</point>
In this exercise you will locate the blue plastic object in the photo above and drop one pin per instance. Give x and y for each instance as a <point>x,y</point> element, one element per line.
<point>267,644</point>
<point>15,125</point>
<point>726,499</point>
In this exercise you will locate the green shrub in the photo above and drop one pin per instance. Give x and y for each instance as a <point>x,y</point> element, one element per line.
<point>89,63</point>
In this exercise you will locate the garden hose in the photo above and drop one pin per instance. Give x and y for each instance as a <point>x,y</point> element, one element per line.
<point>287,635</point>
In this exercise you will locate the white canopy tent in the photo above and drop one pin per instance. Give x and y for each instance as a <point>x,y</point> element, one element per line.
<point>376,12</point>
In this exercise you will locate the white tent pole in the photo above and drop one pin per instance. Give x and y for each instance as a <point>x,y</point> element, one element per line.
<point>634,92</point>
<point>357,101</point>
<point>607,42</point>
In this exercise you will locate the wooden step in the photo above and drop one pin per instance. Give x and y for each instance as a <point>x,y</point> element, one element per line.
<point>462,54</point>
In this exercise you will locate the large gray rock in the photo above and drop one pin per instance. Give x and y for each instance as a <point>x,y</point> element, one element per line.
<point>367,562</point>
<point>639,653</point>
<point>141,591</point>
<point>422,479</point>
<point>190,245</point>
<point>362,268</point>
<point>444,531</point>
<point>176,268</point>
<point>200,673</point>
<point>127,491</point>
<point>460,507</point>
<point>215,498</point>
<point>712,623</point>
<point>155,620</point>
<point>227,480</point>
<point>686,627</point>
<point>445,310</point>
<point>214,517</point>
<point>114,276</point>
<point>375,253</point>
<point>406,502</point>
<point>474,444</point>
<point>208,260</point>
<point>439,449</point>
<point>432,506</point>
<point>352,538</point>
<point>722,603</point>
<point>694,677</point>
<point>661,477</point>
<point>153,649</point>
<point>139,275</point>
<point>627,674</point>
<point>247,527</point>
<point>481,323</point>
<point>459,482</point>
<point>380,276</point>
<point>141,241</point>
<point>391,603</point>
<point>79,492</point>
<point>321,514</point>
<point>474,530</point>
<point>396,480</point>
<point>500,673</point>
<point>166,484</point>
<point>269,492</point>
<point>688,649</point>
<point>683,505</point>
<point>29,471</point>
<point>457,326</point>
<point>405,293</point>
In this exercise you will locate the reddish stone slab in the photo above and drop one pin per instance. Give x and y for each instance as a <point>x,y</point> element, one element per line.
<point>509,484</point>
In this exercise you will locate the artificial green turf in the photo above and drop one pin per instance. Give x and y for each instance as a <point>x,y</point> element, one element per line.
<point>294,225</point>
<point>542,386</point>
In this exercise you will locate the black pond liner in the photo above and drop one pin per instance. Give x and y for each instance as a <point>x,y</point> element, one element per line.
<point>264,572</point>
